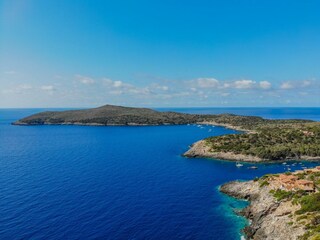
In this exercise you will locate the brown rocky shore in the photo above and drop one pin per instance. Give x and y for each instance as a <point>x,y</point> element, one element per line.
<point>281,205</point>
<point>268,218</point>
<point>201,149</point>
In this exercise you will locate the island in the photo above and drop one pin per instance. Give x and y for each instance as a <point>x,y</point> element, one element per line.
<point>258,139</point>
<point>109,115</point>
<point>282,206</point>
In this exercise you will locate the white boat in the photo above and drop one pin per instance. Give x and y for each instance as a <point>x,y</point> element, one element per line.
<point>239,164</point>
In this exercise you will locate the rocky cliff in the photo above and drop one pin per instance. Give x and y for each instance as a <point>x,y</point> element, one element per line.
<point>270,220</point>
<point>282,206</point>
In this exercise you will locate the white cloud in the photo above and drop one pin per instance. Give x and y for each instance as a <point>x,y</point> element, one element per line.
<point>84,79</point>
<point>107,82</point>
<point>286,85</point>
<point>299,84</point>
<point>118,87</point>
<point>244,84</point>
<point>206,82</point>
<point>163,88</point>
<point>265,85</point>
<point>163,91</point>
<point>117,84</point>
<point>120,84</point>
<point>227,85</point>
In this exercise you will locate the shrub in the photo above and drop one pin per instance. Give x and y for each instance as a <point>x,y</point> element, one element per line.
<point>282,194</point>
<point>309,203</point>
<point>264,183</point>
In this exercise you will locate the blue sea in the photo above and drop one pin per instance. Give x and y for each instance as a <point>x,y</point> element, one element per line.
<point>85,182</point>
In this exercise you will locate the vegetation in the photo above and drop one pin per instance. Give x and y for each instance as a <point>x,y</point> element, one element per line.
<point>282,194</point>
<point>118,115</point>
<point>308,215</point>
<point>264,183</point>
<point>309,203</point>
<point>110,115</point>
<point>272,141</point>
<point>313,228</point>
<point>252,122</point>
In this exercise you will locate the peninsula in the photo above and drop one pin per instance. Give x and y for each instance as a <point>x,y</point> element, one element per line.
<point>262,140</point>
<point>282,206</point>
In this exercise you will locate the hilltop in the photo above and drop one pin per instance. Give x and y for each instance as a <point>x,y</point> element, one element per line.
<point>109,115</point>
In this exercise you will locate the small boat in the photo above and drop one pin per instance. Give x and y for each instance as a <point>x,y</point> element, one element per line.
<point>284,163</point>
<point>239,164</point>
<point>253,167</point>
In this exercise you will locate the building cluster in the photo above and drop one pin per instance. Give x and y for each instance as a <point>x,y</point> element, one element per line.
<point>292,182</point>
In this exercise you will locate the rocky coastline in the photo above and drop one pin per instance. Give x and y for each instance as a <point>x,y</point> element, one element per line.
<point>269,219</point>
<point>282,206</point>
<point>201,149</point>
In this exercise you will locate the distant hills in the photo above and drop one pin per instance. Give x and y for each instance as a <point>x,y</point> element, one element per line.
<point>118,115</point>
<point>110,115</point>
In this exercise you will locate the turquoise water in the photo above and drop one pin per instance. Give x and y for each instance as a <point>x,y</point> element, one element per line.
<point>82,182</point>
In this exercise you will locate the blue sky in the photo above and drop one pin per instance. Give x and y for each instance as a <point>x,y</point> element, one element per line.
<point>165,53</point>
